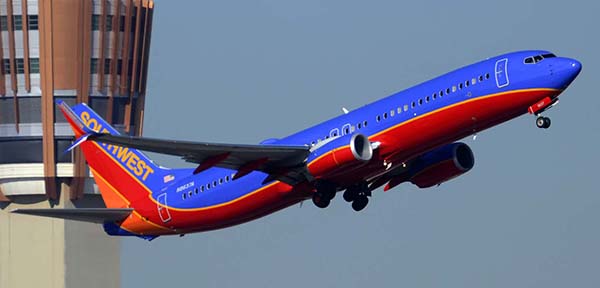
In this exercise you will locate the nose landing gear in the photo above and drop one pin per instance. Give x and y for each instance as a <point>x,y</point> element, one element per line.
<point>543,122</point>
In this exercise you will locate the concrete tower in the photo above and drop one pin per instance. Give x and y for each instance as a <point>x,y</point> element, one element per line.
<point>93,51</point>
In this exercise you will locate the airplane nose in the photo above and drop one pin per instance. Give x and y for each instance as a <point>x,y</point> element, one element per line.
<point>567,70</point>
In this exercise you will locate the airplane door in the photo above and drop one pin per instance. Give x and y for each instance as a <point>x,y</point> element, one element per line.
<point>502,73</point>
<point>163,210</point>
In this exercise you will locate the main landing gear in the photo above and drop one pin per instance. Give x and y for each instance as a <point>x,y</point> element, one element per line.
<point>325,192</point>
<point>543,122</point>
<point>358,195</point>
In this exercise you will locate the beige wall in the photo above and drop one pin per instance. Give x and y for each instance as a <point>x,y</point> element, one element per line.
<point>44,252</point>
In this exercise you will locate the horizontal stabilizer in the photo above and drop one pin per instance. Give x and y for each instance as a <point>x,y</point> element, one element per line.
<point>94,215</point>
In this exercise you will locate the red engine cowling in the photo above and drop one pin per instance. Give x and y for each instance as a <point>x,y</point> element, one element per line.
<point>441,165</point>
<point>338,154</point>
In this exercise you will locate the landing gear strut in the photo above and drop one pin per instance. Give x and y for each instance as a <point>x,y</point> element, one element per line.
<point>358,195</point>
<point>543,122</point>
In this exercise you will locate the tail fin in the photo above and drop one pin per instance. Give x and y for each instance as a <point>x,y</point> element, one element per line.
<point>122,174</point>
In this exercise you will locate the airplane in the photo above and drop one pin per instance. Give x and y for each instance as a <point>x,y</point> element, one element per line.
<point>410,136</point>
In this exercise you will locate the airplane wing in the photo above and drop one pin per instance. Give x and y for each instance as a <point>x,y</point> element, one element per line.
<point>94,215</point>
<point>284,163</point>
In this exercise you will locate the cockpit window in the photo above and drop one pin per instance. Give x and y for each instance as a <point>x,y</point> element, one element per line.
<point>537,58</point>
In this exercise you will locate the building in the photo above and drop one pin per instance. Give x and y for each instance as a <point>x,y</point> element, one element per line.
<point>93,51</point>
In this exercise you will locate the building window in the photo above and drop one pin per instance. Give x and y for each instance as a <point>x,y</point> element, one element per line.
<point>5,66</point>
<point>17,22</point>
<point>109,20</point>
<point>122,23</point>
<point>94,66</point>
<point>20,66</point>
<point>32,22</point>
<point>119,66</point>
<point>95,22</point>
<point>107,66</point>
<point>34,65</point>
<point>4,23</point>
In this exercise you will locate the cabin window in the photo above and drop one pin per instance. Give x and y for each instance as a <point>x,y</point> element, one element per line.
<point>208,186</point>
<point>190,193</point>
<point>441,93</point>
<point>196,191</point>
<point>448,91</point>
<point>202,188</point>
<point>421,101</point>
<point>399,110</point>
<point>487,76</point>
<point>467,83</point>
<point>385,115</point>
<point>227,178</point>
<point>215,183</point>
<point>473,81</point>
<point>392,113</point>
<point>346,130</point>
<point>480,78</point>
<point>460,86</point>
<point>365,123</point>
<point>220,180</point>
<point>413,104</point>
<point>427,99</point>
<point>359,125</point>
<point>183,196</point>
<point>434,96</point>
<point>405,107</point>
<point>378,118</point>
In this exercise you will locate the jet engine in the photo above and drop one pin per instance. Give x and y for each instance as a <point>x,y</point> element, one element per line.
<point>357,152</point>
<point>441,165</point>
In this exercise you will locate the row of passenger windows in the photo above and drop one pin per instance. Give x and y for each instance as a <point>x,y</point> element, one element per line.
<point>434,96</point>
<point>32,22</point>
<point>207,187</point>
<point>346,129</point>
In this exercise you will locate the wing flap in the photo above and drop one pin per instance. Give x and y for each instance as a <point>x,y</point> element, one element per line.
<point>94,215</point>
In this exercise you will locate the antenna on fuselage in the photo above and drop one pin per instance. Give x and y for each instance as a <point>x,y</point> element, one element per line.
<point>345,110</point>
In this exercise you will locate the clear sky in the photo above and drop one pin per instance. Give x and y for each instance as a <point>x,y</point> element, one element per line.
<point>242,71</point>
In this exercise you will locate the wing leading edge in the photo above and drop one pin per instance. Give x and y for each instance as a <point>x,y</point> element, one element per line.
<point>284,163</point>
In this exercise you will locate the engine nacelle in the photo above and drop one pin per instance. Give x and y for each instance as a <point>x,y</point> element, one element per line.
<point>441,165</point>
<point>329,159</point>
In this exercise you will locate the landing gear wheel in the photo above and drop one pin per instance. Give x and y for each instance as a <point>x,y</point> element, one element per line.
<point>360,203</point>
<point>321,201</point>
<point>543,122</point>
<point>349,195</point>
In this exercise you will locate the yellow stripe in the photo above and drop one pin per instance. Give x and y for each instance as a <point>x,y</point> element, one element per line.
<point>436,111</point>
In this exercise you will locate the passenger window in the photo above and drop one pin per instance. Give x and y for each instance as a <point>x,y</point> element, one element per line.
<point>365,123</point>
<point>454,88</point>
<point>385,115</point>
<point>434,96</point>
<point>202,188</point>
<point>480,78</point>
<point>196,191</point>
<point>208,186</point>
<point>359,125</point>
<point>447,91</point>
<point>392,113</point>
<point>427,99</point>
<point>473,81</point>
<point>220,180</point>
<point>467,83</point>
<point>378,118</point>
<point>460,86</point>
<point>420,101</point>
<point>487,75</point>
<point>399,110</point>
<point>413,104</point>
<point>405,107</point>
<point>215,183</point>
<point>190,193</point>
<point>441,93</point>
<point>183,196</point>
